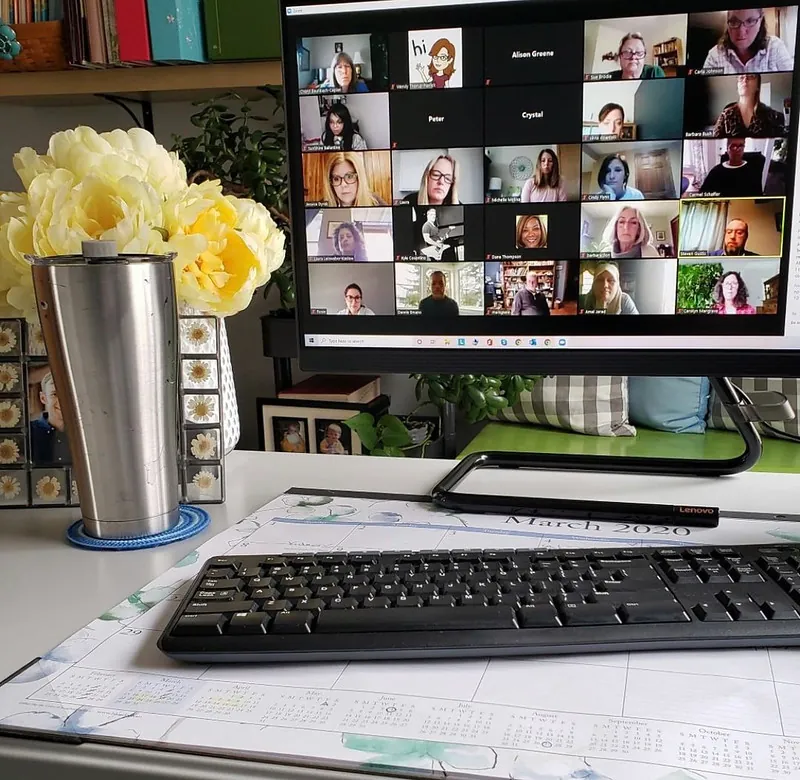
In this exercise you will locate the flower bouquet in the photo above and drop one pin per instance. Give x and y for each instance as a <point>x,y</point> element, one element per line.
<point>125,187</point>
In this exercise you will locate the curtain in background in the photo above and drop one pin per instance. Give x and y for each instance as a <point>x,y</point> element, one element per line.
<point>703,225</point>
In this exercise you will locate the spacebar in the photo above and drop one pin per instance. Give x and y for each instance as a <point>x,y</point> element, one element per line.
<point>414,619</point>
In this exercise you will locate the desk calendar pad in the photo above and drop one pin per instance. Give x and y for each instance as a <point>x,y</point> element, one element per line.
<point>698,715</point>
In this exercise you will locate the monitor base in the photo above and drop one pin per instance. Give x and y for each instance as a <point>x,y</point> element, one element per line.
<point>741,409</point>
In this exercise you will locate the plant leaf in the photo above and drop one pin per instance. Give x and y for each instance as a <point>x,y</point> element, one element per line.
<point>392,432</point>
<point>364,426</point>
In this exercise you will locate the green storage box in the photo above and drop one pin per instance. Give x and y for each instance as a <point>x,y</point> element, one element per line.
<point>242,29</point>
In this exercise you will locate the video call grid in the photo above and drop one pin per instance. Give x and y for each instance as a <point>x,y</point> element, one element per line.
<point>567,208</point>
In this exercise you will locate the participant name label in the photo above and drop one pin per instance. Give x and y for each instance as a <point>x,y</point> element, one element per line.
<point>529,55</point>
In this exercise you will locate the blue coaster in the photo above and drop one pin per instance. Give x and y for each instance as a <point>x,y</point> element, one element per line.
<point>193,520</point>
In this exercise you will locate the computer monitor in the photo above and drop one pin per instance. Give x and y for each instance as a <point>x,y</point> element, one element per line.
<point>543,186</point>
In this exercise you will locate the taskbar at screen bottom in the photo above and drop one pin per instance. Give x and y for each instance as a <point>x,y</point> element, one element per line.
<point>788,342</point>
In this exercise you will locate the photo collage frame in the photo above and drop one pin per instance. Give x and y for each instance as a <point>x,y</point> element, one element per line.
<point>35,461</point>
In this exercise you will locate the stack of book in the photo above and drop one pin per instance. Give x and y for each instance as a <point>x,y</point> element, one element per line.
<point>334,388</point>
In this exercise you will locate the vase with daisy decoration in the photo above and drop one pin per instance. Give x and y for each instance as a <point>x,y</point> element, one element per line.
<point>123,186</point>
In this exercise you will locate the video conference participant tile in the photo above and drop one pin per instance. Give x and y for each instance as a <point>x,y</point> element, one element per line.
<point>354,235</point>
<point>344,122</point>
<point>722,41</point>
<point>347,179</point>
<point>531,231</point>
<point>629,230</point>
<point>437,58</point>
<point>536,114</point>
<point>437,177</point>
<point>533,173</point>
<point>640,170</point>
<point>714,105</point>
<point>343,64</point>
<point>439,289</point>
<point>348,289</point>
<point>610,287</point>
<point>436,118</point>
<point>438,233</point>
<point>733,167</point>
<point>728,285</point>
<point>533,54</point>
<point>642,47</point>
<point>531,288</point>
<point>633,110</point>
<point>732,227</point>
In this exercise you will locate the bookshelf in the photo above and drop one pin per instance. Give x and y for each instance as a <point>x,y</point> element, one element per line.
<point>669,55</point>
<point>158,83</point>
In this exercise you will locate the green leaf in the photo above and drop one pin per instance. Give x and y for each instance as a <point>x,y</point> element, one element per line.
<point>476,397</point>
<point>394,452</point>
<point>364,426</point>
<point>392,432</point>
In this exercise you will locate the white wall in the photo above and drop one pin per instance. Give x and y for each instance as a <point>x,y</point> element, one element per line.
<point>603,37</point>
<point>25,126</point>
<point>596,95</point>
<point>656,283</point>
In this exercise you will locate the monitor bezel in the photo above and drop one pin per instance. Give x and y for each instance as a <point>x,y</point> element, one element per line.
<point>540,360</point>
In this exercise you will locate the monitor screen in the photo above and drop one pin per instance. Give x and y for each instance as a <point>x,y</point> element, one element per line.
<point>544,185</point>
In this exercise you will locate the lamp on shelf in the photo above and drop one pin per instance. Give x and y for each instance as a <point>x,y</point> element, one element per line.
<point>358,61</point>
<point>495,186</point>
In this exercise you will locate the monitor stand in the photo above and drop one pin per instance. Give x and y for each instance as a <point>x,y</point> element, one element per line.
<point>741,408</point>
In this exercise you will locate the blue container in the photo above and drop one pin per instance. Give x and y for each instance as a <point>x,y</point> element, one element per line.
<point>176,30</point>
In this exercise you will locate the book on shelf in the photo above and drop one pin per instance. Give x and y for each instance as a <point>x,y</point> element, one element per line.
<point>335,388</point>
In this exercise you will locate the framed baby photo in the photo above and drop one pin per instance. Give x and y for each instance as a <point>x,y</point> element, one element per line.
<point>312,427</point>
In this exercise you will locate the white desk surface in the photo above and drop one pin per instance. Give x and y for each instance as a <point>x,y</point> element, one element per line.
<point>49,589</point>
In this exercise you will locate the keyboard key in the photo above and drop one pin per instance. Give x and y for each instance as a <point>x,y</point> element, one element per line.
<point>425,619</point>
<point>245,623</point>
<point>220,607</point>
<point>539,616</point>
<point>314,606</point>
<point>217,595</point>
<point>776,610</point>
<point>296,622</point>
<point>273,607</point>
<point>409,601</point>
<point>442,601</point>
<point>742,609</point>
<point>711,612</point>
<point>200,625</point>
<point>378,602</point>
<point>589,614</point>
<point>261,595</point>
<point>652,612</point>
<point>297,593</point>
<point>345,603</point>
<point>221,574</point>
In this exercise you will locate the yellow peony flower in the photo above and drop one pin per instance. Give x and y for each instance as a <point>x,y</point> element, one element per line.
<point>124,187</point>
<point>225,248</point>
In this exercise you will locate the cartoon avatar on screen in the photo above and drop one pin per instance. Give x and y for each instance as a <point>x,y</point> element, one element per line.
<point>442,64</point>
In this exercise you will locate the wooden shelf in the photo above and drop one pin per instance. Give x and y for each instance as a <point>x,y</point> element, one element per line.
<point>158,83</point>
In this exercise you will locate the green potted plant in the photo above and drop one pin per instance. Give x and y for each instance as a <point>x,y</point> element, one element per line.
<point>391,436</point>
<point>247,153</point>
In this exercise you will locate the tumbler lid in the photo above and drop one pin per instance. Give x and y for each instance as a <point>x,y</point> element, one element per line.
<point>97,249</point>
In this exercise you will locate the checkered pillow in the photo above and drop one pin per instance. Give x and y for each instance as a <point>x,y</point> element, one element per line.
<point>719,418</point>
<point>595,405</point>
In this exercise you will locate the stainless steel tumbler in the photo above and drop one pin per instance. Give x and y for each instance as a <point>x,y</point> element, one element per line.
<point>110,327</point>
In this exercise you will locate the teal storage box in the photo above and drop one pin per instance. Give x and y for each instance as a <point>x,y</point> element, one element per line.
<point>176,30</point>
<point>243,29</point>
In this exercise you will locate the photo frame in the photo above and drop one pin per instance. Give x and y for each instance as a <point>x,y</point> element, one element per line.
<point>338,47</point>
<point>283,422</point>
<point>35,461</point>
<point>661,235</point>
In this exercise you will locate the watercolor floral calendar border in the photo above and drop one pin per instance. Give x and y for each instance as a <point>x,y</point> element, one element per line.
<point>25,483</point>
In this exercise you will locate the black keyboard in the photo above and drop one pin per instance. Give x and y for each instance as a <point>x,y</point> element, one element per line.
<point>460,603</point>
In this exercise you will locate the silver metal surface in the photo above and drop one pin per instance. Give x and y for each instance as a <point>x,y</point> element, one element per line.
<point>111,330</point>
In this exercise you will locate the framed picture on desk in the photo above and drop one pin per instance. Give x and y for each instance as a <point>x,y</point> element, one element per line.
<point>313,426</point>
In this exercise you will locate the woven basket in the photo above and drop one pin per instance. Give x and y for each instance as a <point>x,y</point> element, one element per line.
<point>42,48</point>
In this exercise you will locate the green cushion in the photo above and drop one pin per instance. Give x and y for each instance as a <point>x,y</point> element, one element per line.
<point>782,457</point>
